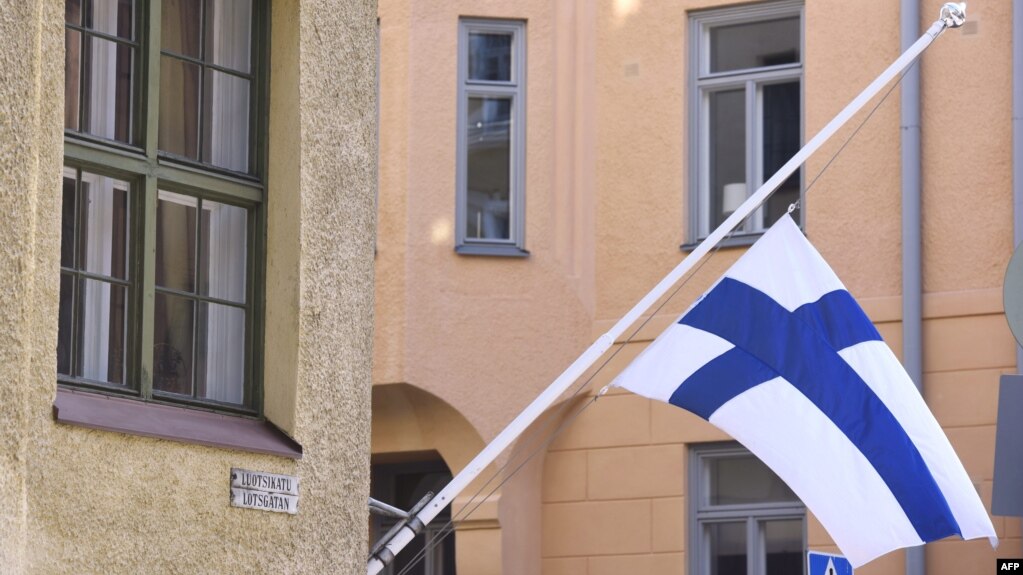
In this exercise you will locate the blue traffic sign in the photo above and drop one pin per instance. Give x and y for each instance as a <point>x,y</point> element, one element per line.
<point>827,564</point>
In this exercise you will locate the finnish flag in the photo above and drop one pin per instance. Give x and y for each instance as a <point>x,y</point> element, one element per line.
<point>779,355</point>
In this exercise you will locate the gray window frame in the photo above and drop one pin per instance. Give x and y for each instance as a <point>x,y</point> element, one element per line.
<point>700,514</point>
<point>702,83</point>
<point>516,90</point>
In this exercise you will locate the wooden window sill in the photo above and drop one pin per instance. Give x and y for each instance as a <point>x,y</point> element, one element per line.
<point>136,417</point>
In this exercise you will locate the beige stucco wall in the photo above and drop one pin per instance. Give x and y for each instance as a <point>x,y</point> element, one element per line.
<point>607,188</point>
<point>83,501</point>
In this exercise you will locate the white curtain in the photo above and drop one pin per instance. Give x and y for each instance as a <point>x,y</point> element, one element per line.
<point>229,95</point>
<point>225,327</point>
<point>97,207</point>
<point>102,109</point>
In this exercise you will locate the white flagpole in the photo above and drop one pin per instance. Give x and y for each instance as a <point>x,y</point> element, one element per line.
<point>952,16</point>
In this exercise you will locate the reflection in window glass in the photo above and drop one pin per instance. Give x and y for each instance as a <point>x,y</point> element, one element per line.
<point>754,45</point>
<point>727,548</point>
<point>783,546</point>
<point>727,129</point>
<point>781,141</point>
<point>488,168</point>
<point>490,57</point>
<point>743,480</point>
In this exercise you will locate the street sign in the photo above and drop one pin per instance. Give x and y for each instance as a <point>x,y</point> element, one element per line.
<point>264,491</point>
<point>827,564</point>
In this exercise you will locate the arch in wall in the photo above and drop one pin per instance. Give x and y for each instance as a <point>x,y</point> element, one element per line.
<point>411,424</point>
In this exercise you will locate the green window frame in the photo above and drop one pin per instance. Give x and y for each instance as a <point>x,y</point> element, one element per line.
<point>154,178</point>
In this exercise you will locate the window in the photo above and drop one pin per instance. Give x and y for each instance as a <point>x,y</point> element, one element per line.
<point>743,519</point>
<point>163,195</point>
<point>402,485</point>
<point>491,138</point>
<point>746,110</point>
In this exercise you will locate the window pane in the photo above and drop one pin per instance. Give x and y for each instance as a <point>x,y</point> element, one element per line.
<point>488,209</point>
<point>173,336</point>
<point>221,353</point>
<point>754,44</point>
<point>228,34</point>
<point>727,543</point>
<point>783,545</point>
<point>114,17</point>
<point>67,220</point>
<point>73,11</point>
<point>103,226</point>
<point>65,327</point>
<point>226,121</point>
<point>727,126</point>
<point>72,77</point>
<point>225,248</point>
<point>109,110</point>
<point>744,479</point>
<point>179,107</point>
<point>103,331</point>
<point>180,26</point>
<point>490,56</point>
<point>781,142</point>
<point>176,241</point>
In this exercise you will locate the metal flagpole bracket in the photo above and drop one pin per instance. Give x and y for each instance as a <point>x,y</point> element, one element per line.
<point>953,14</point>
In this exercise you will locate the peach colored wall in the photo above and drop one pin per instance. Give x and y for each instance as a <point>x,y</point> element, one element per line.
<point>606,204</point>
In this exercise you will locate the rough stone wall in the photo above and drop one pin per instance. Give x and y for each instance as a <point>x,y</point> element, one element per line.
<point>74,500</point>
<point>30,156</point>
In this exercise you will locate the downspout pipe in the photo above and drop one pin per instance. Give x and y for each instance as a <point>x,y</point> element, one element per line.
<point>912,288</point>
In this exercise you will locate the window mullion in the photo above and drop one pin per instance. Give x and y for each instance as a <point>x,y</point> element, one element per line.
<point>152,79</point>
<point>146,240</point>
<point>147,280</point>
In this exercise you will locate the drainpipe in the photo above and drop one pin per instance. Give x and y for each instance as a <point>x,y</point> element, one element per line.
<point>912,320</point>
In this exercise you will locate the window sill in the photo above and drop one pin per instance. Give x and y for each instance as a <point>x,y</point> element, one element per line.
<point>504,251</point>
<point>135,417</point>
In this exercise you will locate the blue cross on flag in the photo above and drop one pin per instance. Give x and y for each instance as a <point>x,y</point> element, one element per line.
<point>779,355</point>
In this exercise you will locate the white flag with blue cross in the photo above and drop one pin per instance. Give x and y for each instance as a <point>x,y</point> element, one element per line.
<point>780,356</point>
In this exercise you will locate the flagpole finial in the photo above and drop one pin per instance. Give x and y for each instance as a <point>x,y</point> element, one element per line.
<point>953,14</point>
